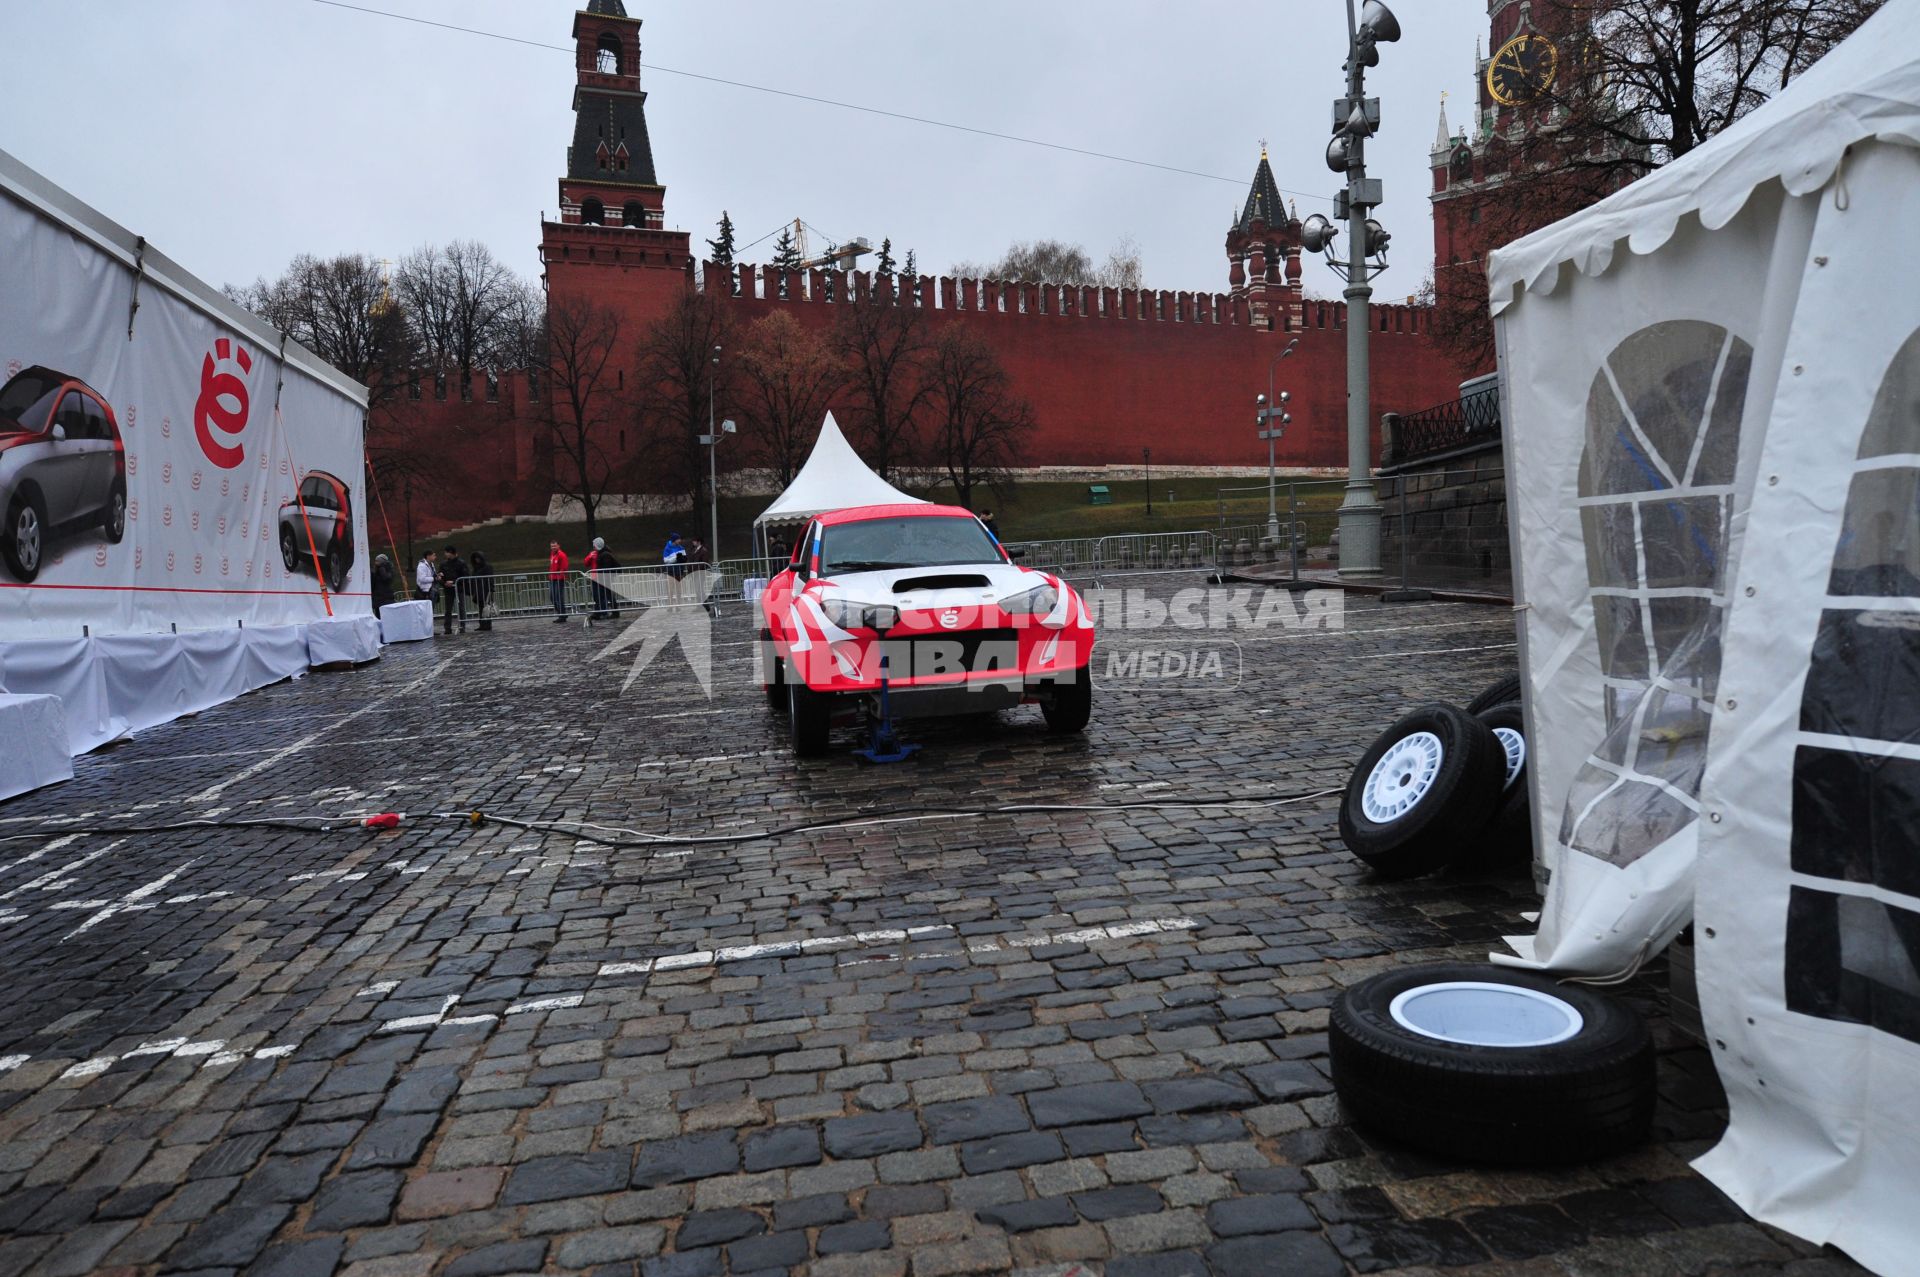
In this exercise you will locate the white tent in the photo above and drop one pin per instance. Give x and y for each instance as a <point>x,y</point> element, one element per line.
<point>1712,390</point>
<point>833,478</point>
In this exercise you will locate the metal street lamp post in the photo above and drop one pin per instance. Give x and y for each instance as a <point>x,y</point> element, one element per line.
<point>1270,411</point>
<point>1356,117</point>
<point>1146,461</point>
<point>711,440</point>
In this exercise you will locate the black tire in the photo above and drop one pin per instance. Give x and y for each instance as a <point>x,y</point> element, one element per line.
<point>23,541</point>
<point>1504,692</point>
<point>113,519</point>
<point>1509,837</point>
<point>336,569</point>
<point>289,549</point>
<point>773,674</point>
<point>1070,705</point>
<point>1587,1097</point>
<point>1446,808</point>
<point>809,720</point>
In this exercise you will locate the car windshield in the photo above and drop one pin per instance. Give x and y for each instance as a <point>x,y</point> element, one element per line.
<point>910,542</point>
<point>27,399</point>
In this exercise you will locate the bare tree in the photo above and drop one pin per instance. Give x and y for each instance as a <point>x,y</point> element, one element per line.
<point>583,406</point>
<point>886,350</point>
<point>341,309</point>
<point>460,299</point>
<point>1052,261</point>
<point>788,377</point>
<point>981,425</point>
<point>679,381</point>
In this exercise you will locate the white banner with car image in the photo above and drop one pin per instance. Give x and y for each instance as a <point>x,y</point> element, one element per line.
<point>148,482</point>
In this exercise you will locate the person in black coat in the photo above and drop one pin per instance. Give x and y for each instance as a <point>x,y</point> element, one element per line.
<point>480,588</point>
<point>453,570</point>
<point>383,582</point>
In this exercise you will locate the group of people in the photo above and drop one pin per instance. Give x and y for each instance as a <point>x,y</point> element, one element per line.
<point>450,581</point>
<point>453,584</point>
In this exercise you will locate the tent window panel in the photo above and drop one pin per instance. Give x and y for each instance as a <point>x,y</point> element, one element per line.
<point>1670,374</point>
<point>1683,544</point>
<point>1893,425</point>
<point>1630,822</point>
<point>1861,682</point>
<point>1879,550</point>
<point>1856,818</point>
<point>1623,640</point>
<point>1611,554</point>
<point>1614,460</point>
<point>1720,448</point>
<point>1672,740</point>
<point>1853,959</point>
<point>1678,620</point>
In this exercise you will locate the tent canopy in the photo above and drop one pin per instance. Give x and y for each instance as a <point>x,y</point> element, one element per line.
<point>833,478</point>
<point>1868,87</point>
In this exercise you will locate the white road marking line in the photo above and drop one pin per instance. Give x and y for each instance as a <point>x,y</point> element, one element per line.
<point>560,1003</point>
<point>485,1017</point>
<point>53,877</point>
<point>272,1052</point>
<point>281,755</point>
<point>32,856</point>
<point>377,988</point>
<point>87,1068</point>
<point>8,1063</point>
<point>1438,651</point>
<point>132,900</point>
<point>192,1049</point>
<point>166,1046</point>
<point>410,1022</point>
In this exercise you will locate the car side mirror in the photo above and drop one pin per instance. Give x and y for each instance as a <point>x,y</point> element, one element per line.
<point>59,433</point>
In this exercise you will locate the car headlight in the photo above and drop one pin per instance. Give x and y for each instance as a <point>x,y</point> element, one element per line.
<point>1038,601</point>
<point>850,614</point>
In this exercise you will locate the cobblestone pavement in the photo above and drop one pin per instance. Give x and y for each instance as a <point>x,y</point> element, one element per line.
<point>1071,1042</point>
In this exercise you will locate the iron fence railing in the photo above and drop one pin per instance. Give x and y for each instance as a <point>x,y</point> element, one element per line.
<point>1445,427</point>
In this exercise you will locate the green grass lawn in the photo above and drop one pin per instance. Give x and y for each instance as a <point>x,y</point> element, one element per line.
<point>1023,512</point>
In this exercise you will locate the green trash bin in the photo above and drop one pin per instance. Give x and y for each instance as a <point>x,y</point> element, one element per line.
<point>1097,494</point>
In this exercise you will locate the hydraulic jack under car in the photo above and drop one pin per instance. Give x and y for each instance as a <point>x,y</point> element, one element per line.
<point>884,746</point>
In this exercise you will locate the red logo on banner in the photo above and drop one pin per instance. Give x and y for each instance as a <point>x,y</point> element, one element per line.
<point>133,463</point>
<point>196,565</point>
<point>220,525</point>
<point>138,558</point>
<point>196,520</point>
<point>225,569</point>
<point>211,412</point>
<point>196,481</point>
<point>166,427</point>
<point>100,557</point>
<point>133,511</point>
<point>166,472</point>
<point>169,560</point>
<point>166,517</point>
<point>225,486</point>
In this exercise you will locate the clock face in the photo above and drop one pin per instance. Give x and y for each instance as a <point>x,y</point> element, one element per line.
<point>1522,70</point>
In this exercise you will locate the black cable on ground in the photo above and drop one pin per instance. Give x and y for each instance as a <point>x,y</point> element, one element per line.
<point>633,838</point>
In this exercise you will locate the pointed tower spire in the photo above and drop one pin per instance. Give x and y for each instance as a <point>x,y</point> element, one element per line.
<point>1263,197</point>
<point>1443,140</point>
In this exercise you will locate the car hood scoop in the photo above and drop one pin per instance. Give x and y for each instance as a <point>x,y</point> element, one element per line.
<point>941,581</point>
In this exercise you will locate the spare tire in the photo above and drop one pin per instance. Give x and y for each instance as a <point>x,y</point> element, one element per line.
<point>1504,692</point>
<point>1509,836</point>
<point>1488,1064</point>
<point>1423,792</point>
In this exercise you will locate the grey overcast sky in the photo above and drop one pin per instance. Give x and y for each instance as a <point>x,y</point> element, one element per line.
<point>236,133</point>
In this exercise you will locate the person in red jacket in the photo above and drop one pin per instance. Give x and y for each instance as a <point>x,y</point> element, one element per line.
<point>557,581</point>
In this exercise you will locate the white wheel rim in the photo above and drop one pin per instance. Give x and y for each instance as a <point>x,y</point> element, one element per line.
<point>1472,1013</point>
<point>1515,746</point>
<point>1402,777</point>
<point>119,513</point>
<point>26,538</point>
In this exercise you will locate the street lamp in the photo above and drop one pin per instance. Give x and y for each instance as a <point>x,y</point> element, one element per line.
<point>1146,461</point>
<point>1272,410</point>
<point>1356,117</point>
<point>711,441</point>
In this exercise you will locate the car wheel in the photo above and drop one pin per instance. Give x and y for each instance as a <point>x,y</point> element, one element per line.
<point>1509,837</point>
<point>289,551</point>
<point>809,716</point>
<point>1071,704</point>
<point>773,675</point>
<point>1423,792</point>
<point>1488,1064</point>
<point>1504,692</point>
<point>113,520</point>
<point>24,539</point>
<point>336,569</point>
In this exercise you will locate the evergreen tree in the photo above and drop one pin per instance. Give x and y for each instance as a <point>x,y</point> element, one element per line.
<point>785,255</point>
<point>723,246</point>
<point>912,269</point>
<point>723,251</point>
<point>884,268</point>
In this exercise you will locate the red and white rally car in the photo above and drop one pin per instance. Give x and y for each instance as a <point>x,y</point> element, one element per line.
<point>962,628</point>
